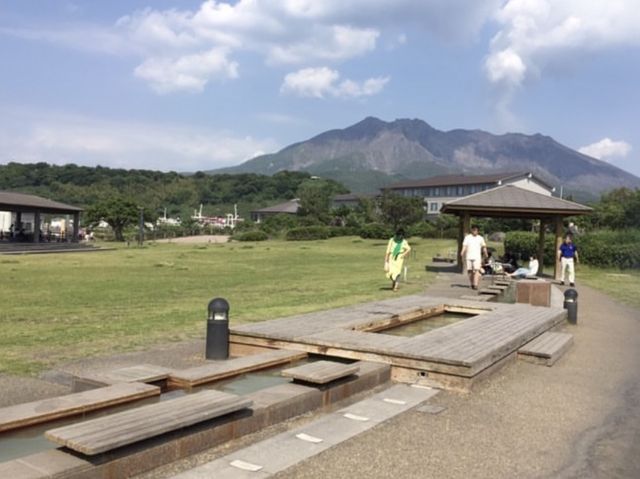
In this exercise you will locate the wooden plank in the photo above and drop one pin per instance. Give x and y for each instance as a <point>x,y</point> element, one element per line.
<point>36,412</point>
<point>216,370</point>
<point>321,372</point>
<point>117,430</point>
<point>141,373</point>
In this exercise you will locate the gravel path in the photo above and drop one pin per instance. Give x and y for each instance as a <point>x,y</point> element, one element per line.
<point>577,419</point>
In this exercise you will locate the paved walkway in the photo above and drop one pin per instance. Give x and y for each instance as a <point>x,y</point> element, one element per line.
<point>278,453</point>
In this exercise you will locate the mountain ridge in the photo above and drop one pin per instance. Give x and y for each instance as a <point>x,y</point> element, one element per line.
<point>373,153</point>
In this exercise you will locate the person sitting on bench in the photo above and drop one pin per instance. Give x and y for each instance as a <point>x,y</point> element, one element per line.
<point>531,270</point>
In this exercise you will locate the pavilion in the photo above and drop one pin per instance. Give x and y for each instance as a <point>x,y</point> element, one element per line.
<point>510,201</point>
<point>20,203</point>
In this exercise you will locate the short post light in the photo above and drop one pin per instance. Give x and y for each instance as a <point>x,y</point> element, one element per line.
<point>571,305</point>
<point>217,346</point>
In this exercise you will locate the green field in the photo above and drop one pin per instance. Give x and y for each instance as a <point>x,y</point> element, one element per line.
<point>622,285</point>
<point>65,306</point>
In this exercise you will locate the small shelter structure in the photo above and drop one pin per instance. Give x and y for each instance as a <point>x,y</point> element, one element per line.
<point>510,201</point>
<point>290,207</point>
<point>20,203</point>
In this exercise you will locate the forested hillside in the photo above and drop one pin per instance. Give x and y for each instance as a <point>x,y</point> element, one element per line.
<point>180,194</point>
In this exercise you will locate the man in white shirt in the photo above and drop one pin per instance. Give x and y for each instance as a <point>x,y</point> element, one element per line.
<point>473,250</point>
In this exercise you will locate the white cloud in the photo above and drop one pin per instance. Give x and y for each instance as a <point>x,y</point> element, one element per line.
<point>187,73</point>
<point>62,138</point>
<point>300,32</point>
<point>606,149</point>
<point>323,81</point>
<point>535,32</point>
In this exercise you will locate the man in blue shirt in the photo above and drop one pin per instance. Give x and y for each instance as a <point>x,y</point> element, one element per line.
<point>568,257</point>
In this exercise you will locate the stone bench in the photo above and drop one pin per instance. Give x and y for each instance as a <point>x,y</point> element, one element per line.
<point>321,372</point>
<point>116,430</point>
<point>546,348</point>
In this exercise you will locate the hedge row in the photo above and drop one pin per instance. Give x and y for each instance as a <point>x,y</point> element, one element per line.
<point>612,249</point>
<point>254,235</point>
<point>609,249</point>
<point>306,233</point>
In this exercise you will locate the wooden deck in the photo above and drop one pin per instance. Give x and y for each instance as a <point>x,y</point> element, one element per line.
<point>117,430</point>
<point>462,349</point>
<point>321,372</point>
<point>44,410</point>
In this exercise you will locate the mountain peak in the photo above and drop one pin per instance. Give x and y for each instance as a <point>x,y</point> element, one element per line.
<point>373,153</point>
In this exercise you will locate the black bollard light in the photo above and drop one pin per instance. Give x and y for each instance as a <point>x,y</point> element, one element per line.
<point>218,329</point>
<point>571,305</point>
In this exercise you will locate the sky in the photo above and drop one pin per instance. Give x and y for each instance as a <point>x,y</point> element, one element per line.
<point>190,85</point>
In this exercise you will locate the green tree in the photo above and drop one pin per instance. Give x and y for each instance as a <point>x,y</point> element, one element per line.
<point>117,212</point>
<point>399,210</point>
<point>315,199</point>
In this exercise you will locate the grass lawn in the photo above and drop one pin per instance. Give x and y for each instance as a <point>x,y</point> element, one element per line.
<point>65,306</point>
<point>622,285</point>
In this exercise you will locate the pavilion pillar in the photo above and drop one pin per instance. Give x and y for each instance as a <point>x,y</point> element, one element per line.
<point>18,226</point>
<point>76,227</point>
<point>558,229</point>
<point>541,247</point>
<point>464,229</point>
<point>36,227</point>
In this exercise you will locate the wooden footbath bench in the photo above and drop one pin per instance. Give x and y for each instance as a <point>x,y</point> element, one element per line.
<point>36,412</point>
<point>116,430</point>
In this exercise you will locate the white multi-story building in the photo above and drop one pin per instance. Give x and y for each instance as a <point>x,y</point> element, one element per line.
<point>439,190</point>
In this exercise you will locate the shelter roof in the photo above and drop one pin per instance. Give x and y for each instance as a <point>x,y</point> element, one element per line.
<point>512,201</point>
<point>290,206</point>
<point>12,201</point>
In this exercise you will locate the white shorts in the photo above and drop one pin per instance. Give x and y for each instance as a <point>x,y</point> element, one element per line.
<point>474,264</point>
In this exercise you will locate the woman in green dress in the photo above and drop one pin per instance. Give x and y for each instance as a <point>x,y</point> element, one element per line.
<point>397,249</point>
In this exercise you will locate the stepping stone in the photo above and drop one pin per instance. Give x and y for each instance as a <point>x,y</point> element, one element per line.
<point>475,298</point>
<point>488,291</point>
<point>546,348</point>
<point>321,372</point>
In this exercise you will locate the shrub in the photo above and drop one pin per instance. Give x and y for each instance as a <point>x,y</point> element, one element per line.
<point>376,231</point>
<point>614,249</point>
<point>424,229</point>
<point>335,231</point>
<point>251,236</point>
<point>523,244</point>
<point>306,233</point>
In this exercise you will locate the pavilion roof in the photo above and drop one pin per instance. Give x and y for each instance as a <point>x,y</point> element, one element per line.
<point>12,201</point>
<point>512,201</point>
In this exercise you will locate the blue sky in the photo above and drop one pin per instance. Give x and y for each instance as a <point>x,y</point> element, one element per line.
<point>188,85</point>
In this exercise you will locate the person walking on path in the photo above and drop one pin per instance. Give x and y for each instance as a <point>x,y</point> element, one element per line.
<point>474,249</point>
<point>397,249</point>
<point>568,257</point>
